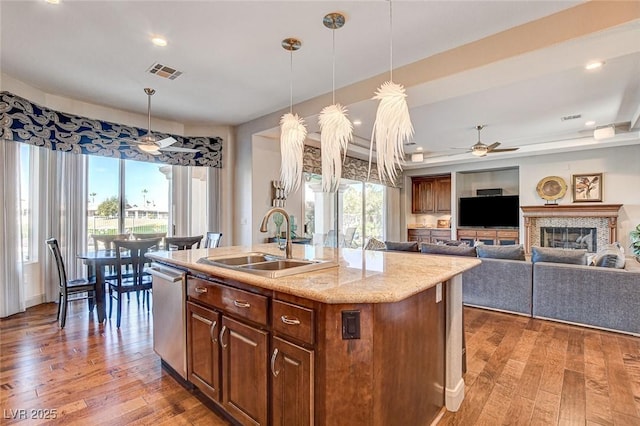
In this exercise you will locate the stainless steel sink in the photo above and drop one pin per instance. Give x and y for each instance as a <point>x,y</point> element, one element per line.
<point>245,259</point>
<point>267,265</point>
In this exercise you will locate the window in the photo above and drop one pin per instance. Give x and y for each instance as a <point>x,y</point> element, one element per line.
<point>126,196</point>
<point>28,198</point>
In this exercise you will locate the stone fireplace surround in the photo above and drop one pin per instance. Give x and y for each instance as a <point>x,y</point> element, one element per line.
<point>604,217</point>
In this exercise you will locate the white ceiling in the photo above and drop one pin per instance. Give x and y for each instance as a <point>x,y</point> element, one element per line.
<point>234,69</point>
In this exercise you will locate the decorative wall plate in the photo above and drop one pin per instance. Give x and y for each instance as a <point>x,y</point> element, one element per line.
<point>551,188</point>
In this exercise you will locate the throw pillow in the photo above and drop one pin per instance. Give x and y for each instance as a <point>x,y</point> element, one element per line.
<point>610,256</point>
<point>374,244</point>
<point>512,252</point>
<point>401,246</point>
<point>557,255</point>
<point>451,243</point>
<point>449,250</point>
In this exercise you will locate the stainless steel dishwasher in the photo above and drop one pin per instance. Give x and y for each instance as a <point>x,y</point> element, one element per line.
<point>169,322</point>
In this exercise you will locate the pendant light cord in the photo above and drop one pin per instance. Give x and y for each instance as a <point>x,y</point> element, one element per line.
<point>333,85</point>
<point>291,82</point>
<point>390,41</point>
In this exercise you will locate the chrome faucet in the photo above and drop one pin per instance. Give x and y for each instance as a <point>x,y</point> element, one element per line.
<point>263,227</point>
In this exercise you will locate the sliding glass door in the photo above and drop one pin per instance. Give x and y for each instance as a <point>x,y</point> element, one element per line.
<point>346,218</point>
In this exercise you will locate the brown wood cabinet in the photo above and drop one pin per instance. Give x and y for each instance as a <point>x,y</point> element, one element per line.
<point>431,194</point>
<point>203,355</point>
<point>428,235</point>
<point>226,358</point>
<point>489,236</point>
<point>244,371</point>
<point>318,376</point>
<point>291,384</point>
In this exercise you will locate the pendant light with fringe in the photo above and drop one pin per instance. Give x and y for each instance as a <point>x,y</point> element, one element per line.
<point>392,127</point>
<point>292,133</point>
<point>336,130</point>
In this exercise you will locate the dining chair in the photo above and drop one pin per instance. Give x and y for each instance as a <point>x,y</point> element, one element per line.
<point>182,243</point>
<point>131,253</point>
<point>107,240</point>
<point>146,236</point>
<point>69,287</point>
<point>212,239</point>
<point>349,235</point>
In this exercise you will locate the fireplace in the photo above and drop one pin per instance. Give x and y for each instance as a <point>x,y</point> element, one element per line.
<point>569,237</point>
<point>574,220</point>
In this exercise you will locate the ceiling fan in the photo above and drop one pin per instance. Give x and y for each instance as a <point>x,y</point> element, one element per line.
<point>149,143</point>
<point>480,149</point>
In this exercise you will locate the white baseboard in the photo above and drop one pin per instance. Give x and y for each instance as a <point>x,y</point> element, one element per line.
<point>453,397</point>
<point>34,300</point>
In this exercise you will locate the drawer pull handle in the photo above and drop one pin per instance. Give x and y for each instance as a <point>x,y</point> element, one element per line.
<point>274,356</point>
<point>291,321</point>
<point>241,304</point>
<point>212,332</point>
<point>201,290</point>
<point>224,328</point>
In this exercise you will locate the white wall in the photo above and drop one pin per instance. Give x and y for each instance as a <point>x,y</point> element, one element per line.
<point>621,176</point>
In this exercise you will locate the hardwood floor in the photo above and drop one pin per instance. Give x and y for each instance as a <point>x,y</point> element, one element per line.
<point>520,371</point>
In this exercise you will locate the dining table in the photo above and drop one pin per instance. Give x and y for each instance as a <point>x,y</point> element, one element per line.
<point>96,262</point>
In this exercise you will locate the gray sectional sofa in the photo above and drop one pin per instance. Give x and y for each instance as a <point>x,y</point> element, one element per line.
<point>588,295</point>
<point>598,297</point>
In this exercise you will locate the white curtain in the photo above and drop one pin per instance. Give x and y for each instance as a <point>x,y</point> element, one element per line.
<point>195,200</point>
<point>11,278</point>
<point>63,207</point>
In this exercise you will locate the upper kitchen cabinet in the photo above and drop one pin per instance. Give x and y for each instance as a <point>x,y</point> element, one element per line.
<point>431,194</point>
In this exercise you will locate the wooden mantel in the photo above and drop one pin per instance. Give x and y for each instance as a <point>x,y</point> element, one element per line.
<point>609,211</point>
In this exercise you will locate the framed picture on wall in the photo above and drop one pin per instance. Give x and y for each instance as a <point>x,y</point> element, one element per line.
<point>587,187</point>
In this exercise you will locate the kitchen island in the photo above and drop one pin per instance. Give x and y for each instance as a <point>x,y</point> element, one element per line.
<point>376,340</point>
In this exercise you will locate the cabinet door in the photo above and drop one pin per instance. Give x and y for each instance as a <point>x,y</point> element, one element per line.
<point>443,195</point>
<point>291,384</point>
<point>244,371</point>
<point>422,200</point>
<point>506,238</point>
<point>203,355</point>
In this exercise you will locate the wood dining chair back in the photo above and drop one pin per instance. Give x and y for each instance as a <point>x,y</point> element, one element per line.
<point>106,240</point>
<point>69,287</point>
<point>212,239</point>
<point>182,243</point>
<point>130,253</point>
<point>146,236</point>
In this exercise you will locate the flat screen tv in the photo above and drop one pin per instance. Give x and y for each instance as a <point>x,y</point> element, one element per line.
<point>496,211</point>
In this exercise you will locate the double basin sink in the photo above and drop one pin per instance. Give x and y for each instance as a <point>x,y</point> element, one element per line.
<point>267,265</point>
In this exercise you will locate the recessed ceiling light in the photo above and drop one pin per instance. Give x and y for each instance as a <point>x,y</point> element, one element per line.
<point>357,122</point>
<point>159,41</point>
<point>593,65</point>
<point>53,1</point>
<point>590,123</point>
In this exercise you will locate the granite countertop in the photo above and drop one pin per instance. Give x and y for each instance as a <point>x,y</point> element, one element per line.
<point>360,277</point>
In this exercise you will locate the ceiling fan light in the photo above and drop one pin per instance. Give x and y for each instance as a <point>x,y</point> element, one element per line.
<point>479,151</point>
<point>148,148</point>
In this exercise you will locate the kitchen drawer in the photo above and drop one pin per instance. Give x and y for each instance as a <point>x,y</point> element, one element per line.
<point>486,234</point>
<point>244,304</point>
<point>293,321</point>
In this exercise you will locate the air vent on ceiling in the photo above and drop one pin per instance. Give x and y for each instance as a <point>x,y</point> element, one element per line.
<point>571,117</point>
<point>164,71</point>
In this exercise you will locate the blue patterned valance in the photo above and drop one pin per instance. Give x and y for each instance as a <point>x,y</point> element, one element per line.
<point>23,121</point>
<point>352,168</point>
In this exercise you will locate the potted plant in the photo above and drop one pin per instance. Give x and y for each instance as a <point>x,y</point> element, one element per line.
<point>635,242</point>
